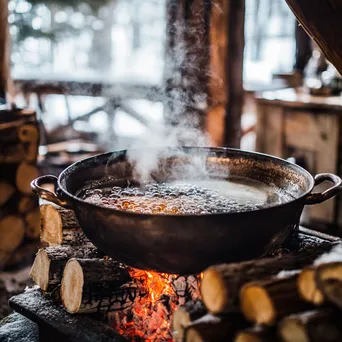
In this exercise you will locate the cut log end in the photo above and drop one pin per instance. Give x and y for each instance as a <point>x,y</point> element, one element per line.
<point>329,280</point>
<point>293,330</point>
<point>214,292</point>
<point>6,192</point>
<point>193,335</point>
<point>307,287</point>
<point>40,270</point>
<point>257,305</point>
<point>25,174</point>
<point>72,286</point>
<point>256,334</point>
<point>247,337</point>
<point>51,225</point>
<point>183,317</point>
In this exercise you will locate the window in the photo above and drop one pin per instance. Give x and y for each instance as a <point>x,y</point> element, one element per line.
<point>270,39</point>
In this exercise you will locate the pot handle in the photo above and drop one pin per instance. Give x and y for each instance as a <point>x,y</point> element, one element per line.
<point>36,187</point>
<point>316,198</point>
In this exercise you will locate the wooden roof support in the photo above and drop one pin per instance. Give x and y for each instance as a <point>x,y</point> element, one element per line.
<point>4,47</point>
<point>322,21</point>
<point>205,46</point>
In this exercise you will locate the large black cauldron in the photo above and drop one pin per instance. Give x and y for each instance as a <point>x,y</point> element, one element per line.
<point>188,243</point>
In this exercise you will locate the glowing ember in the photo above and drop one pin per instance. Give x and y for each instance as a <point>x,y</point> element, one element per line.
<point>149,317</point>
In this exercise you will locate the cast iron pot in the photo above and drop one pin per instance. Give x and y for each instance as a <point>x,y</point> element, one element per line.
<point>185,244</point>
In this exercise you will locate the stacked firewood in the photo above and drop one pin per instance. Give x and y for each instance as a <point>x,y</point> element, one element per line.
<point>19,211</point>
<point>74,271</point>
<point>295,298</point>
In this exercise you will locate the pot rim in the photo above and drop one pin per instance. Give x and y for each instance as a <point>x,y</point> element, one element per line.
<point>209,149</point>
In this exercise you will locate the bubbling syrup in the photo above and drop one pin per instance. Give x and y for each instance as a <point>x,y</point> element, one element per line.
<point>182,198</point>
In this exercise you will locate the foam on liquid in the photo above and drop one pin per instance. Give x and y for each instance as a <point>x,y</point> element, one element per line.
<point>195,197</point>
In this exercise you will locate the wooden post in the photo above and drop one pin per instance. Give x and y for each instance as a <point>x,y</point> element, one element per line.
<point>203,74</point>
<point>4,53</point>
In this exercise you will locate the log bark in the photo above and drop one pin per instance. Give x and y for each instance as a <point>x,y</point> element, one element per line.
<point>12,231</point>
<point>60,226</point>
<point>312,326</point>
<point>221,284</point>
<point>329,282</point>
<point>265,302</point>
<point>183,317</point>
<point>49,263</point>
<point>93,285</point>
<point>322,21</point>
<point>214,329</point>
<point>256,334</point>
<point>29,136</point>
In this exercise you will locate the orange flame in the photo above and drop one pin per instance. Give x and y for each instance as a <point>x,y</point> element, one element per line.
<point>151,314</point>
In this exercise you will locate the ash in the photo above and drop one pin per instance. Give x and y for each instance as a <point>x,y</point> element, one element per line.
<point>150,316</point>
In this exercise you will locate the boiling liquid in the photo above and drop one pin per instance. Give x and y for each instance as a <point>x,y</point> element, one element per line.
<point>197,197</point>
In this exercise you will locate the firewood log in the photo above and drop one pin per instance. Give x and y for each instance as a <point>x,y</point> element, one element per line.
<point>28,133</point>
<point>32,224</point>
<point>329,281</point>
<point>221,283</point>
<point>214,329</point>
<point>93,285</point>
<point>60,226</point>
<point>6,192</point>
<point>29,136</point>
<point>324,270</point>
<point>184,315</point>
<point>307,287</point>
<point>266,301</point>
<point>312,326</point>
<point>27,203</point>
<point>48,265</point>
<point>22,256</point>
<point>25,174</point>
<point>256,334</point>
<point>12,231</point>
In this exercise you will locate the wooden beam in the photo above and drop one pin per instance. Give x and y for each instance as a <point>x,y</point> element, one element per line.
<point>4,47</point>
<point>322,21</point>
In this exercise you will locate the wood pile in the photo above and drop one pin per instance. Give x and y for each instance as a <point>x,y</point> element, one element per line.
<point>295,298</point>
<point>71,268</point>
<point>19,211</point>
